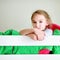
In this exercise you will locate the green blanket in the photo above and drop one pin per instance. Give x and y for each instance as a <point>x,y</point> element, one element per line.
<point>10,32</point>
<point>26,49</point>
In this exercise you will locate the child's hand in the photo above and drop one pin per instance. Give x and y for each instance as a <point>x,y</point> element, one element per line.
<point>40,34</point>
<point>32,36</point>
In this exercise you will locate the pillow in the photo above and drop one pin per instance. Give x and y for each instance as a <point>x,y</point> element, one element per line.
<point>55,26</point>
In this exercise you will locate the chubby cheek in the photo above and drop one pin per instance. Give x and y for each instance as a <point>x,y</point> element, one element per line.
<point>43,26</point>
<point>34,25</point>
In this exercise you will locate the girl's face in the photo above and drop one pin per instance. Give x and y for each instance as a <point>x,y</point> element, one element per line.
<point>39,21</point>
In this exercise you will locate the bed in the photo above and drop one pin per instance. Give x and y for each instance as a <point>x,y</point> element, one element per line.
<point>25,45</point>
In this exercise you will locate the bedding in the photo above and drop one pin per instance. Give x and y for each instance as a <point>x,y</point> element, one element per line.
<point>56,32</point>
<point>10,32</point>
<point>28,49</point>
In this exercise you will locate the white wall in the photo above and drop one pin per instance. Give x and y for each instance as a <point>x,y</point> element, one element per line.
<point>15,14</point>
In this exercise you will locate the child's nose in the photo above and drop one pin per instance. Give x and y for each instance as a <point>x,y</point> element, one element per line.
<point>37,25</point>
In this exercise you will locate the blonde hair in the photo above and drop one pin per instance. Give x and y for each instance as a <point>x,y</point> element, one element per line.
<point>46,15</point>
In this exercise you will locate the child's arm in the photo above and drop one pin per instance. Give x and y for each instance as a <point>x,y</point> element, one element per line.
<point>34,33</point>
<point>32,36</point>
<point>26,31</point>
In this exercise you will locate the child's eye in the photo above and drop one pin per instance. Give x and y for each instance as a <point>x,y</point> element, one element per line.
<point>34,22</point>
<point>40,21</point>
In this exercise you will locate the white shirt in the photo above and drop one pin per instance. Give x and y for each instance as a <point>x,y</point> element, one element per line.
<point>48,32</point>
